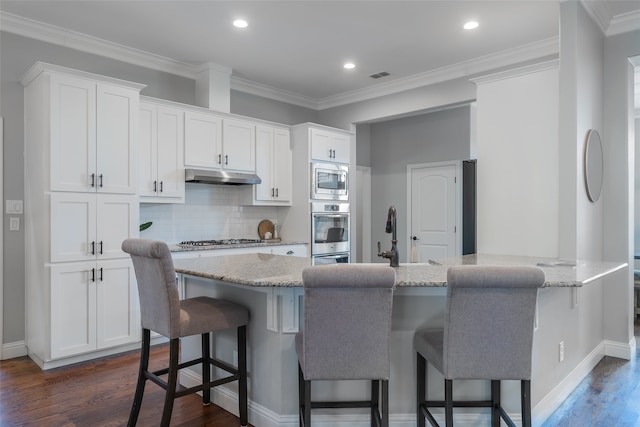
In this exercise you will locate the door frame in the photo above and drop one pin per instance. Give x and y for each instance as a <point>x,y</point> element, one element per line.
<point>458,196</point>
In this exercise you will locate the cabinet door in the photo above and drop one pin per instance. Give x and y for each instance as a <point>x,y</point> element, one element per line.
<point>117,113</point>
<point>73,134</point>
<point>282,165</point>
<point>117,318</point>
<point>321,145</point>
<point>239,145</point>
<point>73,308</point>
<point>341,145</point>
<point>73,227</point>
<point>264,163</point>
<point>203,140</point>
<point>147,148</point>
<point>329,146</point>
<point>170,153</point>
<point>117,220</point>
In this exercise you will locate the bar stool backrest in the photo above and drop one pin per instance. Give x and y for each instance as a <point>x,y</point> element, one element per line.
<point>489,321</point>
<point>347,322</point>
<point>159,299</point>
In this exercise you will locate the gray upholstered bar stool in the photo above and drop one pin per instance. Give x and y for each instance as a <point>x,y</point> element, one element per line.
<point>488,334</point>
<point>347,323</point>
<point>163,312</point>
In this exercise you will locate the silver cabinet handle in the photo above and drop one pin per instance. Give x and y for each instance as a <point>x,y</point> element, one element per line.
<point>155,186</point>
<point>161,186</point>
<point>93,274</point>
<point>226,159</point>
<point>219,159</point>
<point>100,176</point>
<point>93,180</point>
<point>93,247</point>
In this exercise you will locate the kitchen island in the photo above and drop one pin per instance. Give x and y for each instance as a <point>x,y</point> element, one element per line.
<point>271,287</point>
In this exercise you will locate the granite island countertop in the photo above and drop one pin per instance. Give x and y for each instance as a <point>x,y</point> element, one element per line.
<point>264,243</point>
<point>266,270</point>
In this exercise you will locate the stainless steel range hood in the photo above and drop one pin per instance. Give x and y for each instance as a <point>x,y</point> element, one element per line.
<point>220,177</point>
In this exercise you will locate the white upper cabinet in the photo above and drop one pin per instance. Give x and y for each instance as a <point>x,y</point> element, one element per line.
<point>239,145</point>
<point>273,166</point>
<point>203,140</point>
<point>214,142</point>
<point>329,146</point>
<point>92,140</point>
<point>161,143</point>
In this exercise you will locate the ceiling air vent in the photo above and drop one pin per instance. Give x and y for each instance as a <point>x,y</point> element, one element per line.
<point>378,75</point>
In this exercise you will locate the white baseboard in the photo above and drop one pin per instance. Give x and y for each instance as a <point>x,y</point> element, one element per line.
<point>12,350</point>
<point>259,415</point>
<point>552,401</point>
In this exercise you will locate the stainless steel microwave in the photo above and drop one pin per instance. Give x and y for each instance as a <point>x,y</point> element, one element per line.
<point>329,181</point>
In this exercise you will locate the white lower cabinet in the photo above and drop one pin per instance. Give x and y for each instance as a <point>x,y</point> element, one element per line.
<point>94,305</point>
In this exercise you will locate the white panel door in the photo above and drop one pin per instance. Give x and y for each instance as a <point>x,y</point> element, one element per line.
<point>170,152</point>
<point>73,134</point>
<point>147,148</point>
<point>117,132</point>
<point>433,207</point>
<point>202,140</point>
<point>321,145</point>
<point>117,318</point>
<point>73,227</point>
<point>117,220</point>
<point>340,147</point>
<point>239,145</point>
<point>73,308</point>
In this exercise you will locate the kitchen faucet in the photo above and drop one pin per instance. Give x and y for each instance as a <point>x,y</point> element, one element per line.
<point>391,228</point>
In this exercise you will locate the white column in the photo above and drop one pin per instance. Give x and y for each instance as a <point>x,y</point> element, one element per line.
<point>213,87</point>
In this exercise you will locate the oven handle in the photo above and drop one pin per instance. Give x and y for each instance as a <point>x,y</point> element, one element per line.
<point>345,215</point>
<point>340,255</point>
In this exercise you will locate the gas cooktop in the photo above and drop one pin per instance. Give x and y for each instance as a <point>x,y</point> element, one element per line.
<point>221,242</point>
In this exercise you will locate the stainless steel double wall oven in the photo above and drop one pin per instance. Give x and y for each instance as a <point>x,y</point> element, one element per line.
<point>330,217</point>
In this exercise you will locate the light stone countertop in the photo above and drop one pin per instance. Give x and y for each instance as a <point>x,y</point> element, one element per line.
<point>265,243</point>
<point>265,270</point>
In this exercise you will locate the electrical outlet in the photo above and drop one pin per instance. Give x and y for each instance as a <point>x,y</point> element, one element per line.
<point>235,358</point>
<point>561,351</point>
<point>14,223</point>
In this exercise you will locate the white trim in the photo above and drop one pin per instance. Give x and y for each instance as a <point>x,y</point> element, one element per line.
<point>481,64</point>
<point>515,72</point>
<point>63,37</point>
<point>12,350</point>
<point>624,23</point>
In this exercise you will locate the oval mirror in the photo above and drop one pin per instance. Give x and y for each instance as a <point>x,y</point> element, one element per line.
<point>593,165</point>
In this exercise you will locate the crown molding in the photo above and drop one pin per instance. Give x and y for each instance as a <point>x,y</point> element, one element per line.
<point>611,25</point>
<point>270,92</point>
<point>81,42</point>
<point>73,40</point>
<point>468,68</point>
<point>624,23</point>
<point>515,72</point>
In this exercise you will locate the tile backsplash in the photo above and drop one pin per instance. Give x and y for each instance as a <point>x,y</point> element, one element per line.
<point>209,212</point>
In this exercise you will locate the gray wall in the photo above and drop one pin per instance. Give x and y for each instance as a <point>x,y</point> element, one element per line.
<point>434,137</point>
<point>267,109</point>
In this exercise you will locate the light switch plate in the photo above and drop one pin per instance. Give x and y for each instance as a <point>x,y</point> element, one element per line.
<point>14,207</point>
<point>14,223</point>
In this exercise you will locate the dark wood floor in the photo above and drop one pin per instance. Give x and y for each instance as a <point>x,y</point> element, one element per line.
<point>608,397</point>
<point>99,394</point>
<point>96,394</point>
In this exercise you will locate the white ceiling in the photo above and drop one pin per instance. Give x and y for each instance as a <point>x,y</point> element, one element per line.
<point>297,48</point>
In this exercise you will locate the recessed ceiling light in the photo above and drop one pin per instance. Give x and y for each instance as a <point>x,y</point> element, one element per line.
<point>349,65</point>
<point>471,25</point>
<point>240,23</point>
